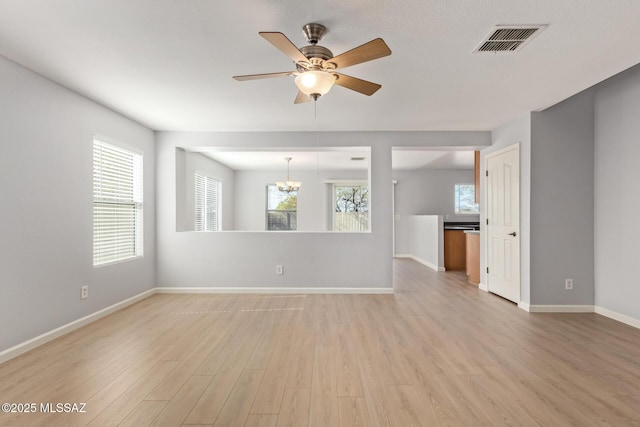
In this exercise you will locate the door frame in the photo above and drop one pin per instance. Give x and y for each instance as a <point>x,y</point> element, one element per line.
<point>515,146</point>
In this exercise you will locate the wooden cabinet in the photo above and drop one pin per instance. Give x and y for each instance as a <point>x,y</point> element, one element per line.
<point>473,257</point>
<point>454,250</point>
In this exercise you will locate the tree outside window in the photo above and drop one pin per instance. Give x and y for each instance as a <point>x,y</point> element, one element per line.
<point>282,209</point>
<point>351,211</point>
<point>465,199</point>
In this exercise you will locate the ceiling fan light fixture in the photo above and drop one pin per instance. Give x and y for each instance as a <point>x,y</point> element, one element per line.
<point>315,83</point>
<point>315,65</point>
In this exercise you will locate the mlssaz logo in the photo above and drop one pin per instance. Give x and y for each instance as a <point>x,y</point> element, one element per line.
<point>63,407</point>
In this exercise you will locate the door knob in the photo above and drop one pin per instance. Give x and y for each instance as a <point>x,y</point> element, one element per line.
<point>512,234</point>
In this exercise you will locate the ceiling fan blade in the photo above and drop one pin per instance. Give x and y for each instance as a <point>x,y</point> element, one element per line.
<point>285,45</point>
<point>359,85</point>
<point>367,52</point>
<point>263,76</point>
<point>301,98</point>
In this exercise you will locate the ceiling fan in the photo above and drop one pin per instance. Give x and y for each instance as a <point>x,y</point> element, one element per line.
<point>316,66</point>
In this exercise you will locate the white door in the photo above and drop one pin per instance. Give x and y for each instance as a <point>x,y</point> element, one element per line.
<point>503,227</point>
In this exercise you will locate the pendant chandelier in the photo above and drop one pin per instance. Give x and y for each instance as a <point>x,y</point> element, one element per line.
<point>288,186</point>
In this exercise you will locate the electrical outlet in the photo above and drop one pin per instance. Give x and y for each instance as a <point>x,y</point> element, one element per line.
<point>568,284</point>
<point>84,292</point>
<point>279,269</point>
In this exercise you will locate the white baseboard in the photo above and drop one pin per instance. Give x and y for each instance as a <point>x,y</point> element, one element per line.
<point>628,320</point>
<point>21,348</point>
<point>483,287</point>
<point>421,261</point>
<point>631,321</point>
<point>561,308</point>
<point>315,290</point>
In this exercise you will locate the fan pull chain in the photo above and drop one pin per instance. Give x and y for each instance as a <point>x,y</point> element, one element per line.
<point>315,120</point>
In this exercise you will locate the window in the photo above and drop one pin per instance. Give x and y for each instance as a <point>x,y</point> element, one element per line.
<point>351,211</point>
<point>117,203</point>
<point>282,209</point>
<point>464,203</point>
<point>207,203</point>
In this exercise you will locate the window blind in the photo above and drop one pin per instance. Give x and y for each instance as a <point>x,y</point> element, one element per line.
<point>117,203</point>
<point>207,203</point>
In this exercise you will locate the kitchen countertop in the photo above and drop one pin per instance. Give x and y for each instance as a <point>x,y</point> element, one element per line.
<point>461,225</point>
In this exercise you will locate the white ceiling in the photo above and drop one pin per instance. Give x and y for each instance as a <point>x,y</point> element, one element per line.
<point>168,64</point>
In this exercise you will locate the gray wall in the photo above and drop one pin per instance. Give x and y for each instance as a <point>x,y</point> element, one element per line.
<point>309,259</point>
<point>617,234</point>
<point>562,202</point>
<point>426,192</point>
<point>46,134</point>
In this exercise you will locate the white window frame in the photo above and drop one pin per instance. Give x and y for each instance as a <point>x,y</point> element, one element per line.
<point>456,204</point>
<point>349,183</point>
<point>267,210</point>
<point>118,181</point>
<point>216,184</point>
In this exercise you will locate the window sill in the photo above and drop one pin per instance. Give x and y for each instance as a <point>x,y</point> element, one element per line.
<point>119,261</point>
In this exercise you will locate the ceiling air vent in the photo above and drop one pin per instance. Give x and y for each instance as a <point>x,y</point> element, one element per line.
<point>509,38</point>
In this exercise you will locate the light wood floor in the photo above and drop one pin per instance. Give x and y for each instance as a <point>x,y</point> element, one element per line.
<point>438,352</point>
